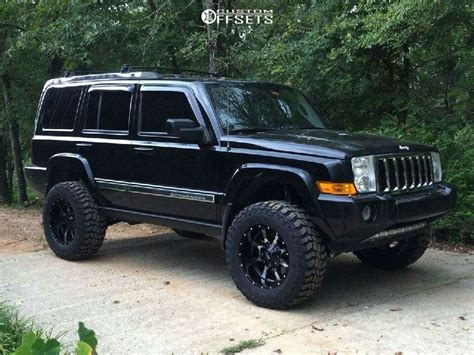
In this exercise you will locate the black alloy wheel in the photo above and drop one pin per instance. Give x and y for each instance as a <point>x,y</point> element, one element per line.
<point>62,222</point>
<point>264,256</point>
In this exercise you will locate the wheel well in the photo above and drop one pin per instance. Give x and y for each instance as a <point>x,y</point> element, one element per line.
<point>264,191</point>
<point>67,170</point>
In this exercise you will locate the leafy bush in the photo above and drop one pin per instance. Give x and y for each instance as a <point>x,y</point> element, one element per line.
<point>33,344</point>
<point>20,336</point>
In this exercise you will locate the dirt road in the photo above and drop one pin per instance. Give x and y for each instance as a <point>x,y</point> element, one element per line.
<point>151,291</point>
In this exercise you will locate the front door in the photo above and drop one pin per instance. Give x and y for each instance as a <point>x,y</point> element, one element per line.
<point>171,177</point>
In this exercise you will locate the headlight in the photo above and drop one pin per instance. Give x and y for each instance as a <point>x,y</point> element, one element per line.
<point>364,173</point>
<point>437,172</point>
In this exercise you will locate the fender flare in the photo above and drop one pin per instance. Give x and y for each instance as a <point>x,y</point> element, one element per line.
<point>298,178</point>
<point>67,158</point>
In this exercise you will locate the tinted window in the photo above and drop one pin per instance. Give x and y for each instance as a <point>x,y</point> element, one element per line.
<point>59,108</point>
<point>158,106</point>
<point>108,110</point>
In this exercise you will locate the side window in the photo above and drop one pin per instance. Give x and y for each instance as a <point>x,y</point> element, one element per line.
<point>158,106</point>
<point>59,108</point>
<point>108,110</point>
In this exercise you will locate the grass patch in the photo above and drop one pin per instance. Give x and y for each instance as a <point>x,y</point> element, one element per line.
<point>13,327</point>
<point>246,344</point>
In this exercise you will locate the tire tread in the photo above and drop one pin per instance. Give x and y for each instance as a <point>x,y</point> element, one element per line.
<point>91,232</point>
<point>311,249</point>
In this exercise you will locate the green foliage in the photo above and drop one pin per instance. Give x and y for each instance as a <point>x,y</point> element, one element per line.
<point>20,336</point>
<point>243,345</point>
<point>83,348</point>
<point>87,336</point>
<point>402,68</point>
<point>33,343</point>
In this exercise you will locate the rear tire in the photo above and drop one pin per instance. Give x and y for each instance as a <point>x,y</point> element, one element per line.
<point>298,255</point>
<point>72,224</point>
<point>395,256</point>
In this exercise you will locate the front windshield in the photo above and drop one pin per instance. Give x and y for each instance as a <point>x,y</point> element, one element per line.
<point>260,107</point>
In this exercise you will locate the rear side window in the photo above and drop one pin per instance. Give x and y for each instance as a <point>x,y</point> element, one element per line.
<point>59,108</point>
<point>158,106</point>
<point>108,110</point>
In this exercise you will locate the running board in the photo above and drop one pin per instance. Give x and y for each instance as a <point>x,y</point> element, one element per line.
<point>213,230</point>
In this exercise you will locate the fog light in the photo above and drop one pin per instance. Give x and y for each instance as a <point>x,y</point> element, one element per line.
<point>366,213</point>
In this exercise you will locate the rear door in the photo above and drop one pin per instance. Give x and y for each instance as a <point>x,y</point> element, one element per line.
<point>171,177</point>
<point>104,139</point>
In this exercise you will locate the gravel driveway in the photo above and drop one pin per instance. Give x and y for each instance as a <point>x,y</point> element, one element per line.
<point>151,291</point>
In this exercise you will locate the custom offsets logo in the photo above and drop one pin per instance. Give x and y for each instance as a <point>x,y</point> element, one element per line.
<point>238,17</point>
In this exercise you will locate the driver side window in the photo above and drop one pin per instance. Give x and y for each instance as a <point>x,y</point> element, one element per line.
<point>158,106</point>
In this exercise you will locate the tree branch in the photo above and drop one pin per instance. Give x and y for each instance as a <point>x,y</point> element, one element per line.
<point>12,25</point>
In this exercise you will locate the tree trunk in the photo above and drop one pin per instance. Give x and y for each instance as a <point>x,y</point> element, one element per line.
<point>15,142</point>
<point>10,178</point>
<point>5,196</point>
<point>212,37</point>
<point>18,162</point>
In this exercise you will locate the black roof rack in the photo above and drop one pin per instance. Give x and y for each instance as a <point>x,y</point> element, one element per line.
<point>68,73</point>
<point>127,68</point>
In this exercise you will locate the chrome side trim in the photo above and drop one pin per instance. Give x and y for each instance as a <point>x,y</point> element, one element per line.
<point>158,190</point>
<point>99,140</point>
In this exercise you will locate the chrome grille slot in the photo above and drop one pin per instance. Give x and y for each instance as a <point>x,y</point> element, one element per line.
<point>404,172</point>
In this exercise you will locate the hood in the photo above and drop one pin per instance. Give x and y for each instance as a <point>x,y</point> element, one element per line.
<point>323,143</point>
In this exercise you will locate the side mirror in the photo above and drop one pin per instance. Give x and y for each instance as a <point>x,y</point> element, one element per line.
<point>187,130</point>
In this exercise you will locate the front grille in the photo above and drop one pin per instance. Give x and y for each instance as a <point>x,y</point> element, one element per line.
<point>404,172</point>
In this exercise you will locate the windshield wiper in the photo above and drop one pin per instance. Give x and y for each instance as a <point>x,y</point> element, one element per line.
<point>251,130</point>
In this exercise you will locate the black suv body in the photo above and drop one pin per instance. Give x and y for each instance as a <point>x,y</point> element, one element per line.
<point>224,158</point>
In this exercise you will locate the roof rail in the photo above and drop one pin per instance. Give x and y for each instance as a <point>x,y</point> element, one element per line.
<point>127,68</point>
<point>68,73</point>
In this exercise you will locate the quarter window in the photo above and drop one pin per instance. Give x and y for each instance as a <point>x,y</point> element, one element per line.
<point>108,110</point>
<point>159,106</point>
<point>59,108</point>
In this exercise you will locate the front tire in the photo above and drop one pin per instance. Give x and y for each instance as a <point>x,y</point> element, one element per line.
<point>72,224</point>
<point>274,254</point>
<point>396,255</point>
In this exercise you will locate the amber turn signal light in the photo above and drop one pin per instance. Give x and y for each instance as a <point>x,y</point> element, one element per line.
<point>336,188</point>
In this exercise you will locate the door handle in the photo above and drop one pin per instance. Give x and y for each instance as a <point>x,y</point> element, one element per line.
<point>84,146</point>
<point>144,150</point>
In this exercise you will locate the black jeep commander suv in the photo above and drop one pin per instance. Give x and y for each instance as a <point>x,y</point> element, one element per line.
<point>248,162</point>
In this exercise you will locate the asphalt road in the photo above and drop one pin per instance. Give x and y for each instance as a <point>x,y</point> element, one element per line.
<point>163,293</point>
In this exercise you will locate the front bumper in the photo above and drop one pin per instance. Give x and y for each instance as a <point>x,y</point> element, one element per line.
<point>394,217</point>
